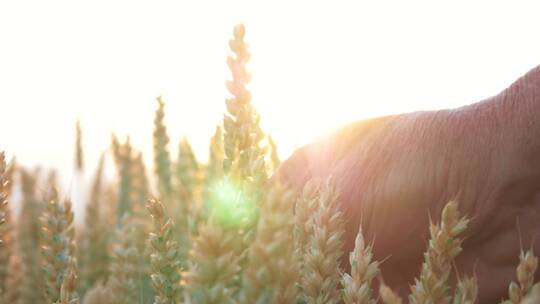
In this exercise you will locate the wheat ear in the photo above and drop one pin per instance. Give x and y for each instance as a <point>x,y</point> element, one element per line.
<point>320,282</point>
<point>272,270</point>
<point>357,285</point>
<point>445,244</point>
<point>58,246</point>
<point>165,257</point>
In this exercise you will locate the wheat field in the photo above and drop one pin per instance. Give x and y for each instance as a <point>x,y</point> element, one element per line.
<point>214,232</point>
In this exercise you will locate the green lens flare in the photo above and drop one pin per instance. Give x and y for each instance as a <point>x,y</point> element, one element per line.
<point>232,204</point>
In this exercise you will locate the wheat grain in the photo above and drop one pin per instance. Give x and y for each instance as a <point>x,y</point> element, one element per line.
<point>466,291</point>
<point>306,206</point>
<point>533,297</point>
<point>525,272</point>
<point>388,296</point>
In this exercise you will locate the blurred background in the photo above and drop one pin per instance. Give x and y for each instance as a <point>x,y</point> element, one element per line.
<point>315,65</point>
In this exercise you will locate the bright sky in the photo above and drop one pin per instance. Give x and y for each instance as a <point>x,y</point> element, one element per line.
<point>315,65</point>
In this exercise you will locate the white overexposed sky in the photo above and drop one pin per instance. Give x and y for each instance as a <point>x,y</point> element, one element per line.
<point>315,65</point>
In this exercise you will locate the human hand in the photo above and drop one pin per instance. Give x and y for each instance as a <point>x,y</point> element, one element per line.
<point>397,172</point>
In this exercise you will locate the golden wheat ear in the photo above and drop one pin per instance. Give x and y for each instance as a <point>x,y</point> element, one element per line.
<point>444,245</point>
<point>466,291</point>
<point>242,131</point>
<point>523,288</point>
<point>214,265</point>
<point>272,271</point>
<point>321,272</point>
<point>357,285</point>
<point>388,296</point>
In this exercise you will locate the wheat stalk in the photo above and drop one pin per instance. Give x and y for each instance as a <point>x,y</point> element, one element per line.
<point>162,158</point>
<point>12,292</point>
<point>4,210</point>
<point>124,280</point>
<point>141,191</point>
<point>57,246</point>
<point>187,182</point>
<point>187,171</point>
<point>129,245</point>
<point>28,240</point>
<point>165,259</point>
<point>79,152</point>
<point>94,240</point>
<point>6,235</point>
<point>124,163</point>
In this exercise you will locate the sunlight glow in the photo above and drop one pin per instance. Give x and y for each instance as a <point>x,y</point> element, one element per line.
<point>315,65</point>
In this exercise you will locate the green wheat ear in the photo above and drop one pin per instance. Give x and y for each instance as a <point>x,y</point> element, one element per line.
<point>58,249</point>
<point>165,257</point>
<point>93,239</point>
<point>162,158</point>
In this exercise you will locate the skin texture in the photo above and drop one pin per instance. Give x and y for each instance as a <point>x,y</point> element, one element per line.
<point>397,172</point>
